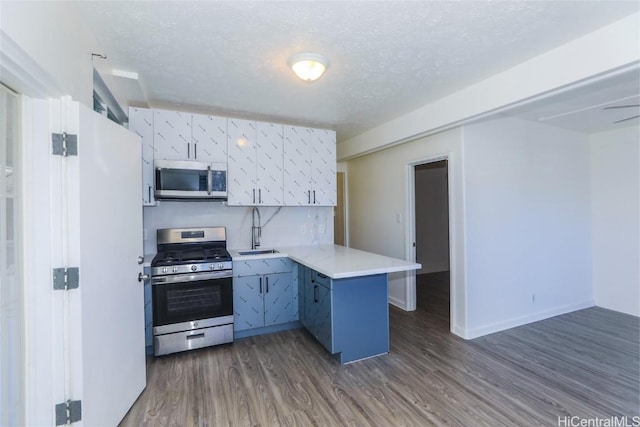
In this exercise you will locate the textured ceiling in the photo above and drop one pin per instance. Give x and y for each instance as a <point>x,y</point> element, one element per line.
<point>386,58</point>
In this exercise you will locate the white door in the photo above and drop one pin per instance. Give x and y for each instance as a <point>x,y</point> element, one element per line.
<point>110,241</point>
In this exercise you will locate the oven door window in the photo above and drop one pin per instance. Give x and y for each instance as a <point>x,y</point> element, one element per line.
<point>187,301</point>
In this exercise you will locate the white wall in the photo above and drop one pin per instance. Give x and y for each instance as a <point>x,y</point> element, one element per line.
<point>55,37</point>
<point>289,227</point>
<point>377,196</point>
<point>432,217</point>
<point>527,213</point>
<point>615,218</point>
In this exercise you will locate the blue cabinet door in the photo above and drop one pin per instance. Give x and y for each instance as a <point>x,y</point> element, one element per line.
<point>317,311</point>
<point>310,307</point>
<point>324,318</point>
<point>278,298</point>
<point>263,293</point>
<point>248,303</point>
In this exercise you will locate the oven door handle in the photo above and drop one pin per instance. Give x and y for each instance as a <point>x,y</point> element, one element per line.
<point>185,278</point>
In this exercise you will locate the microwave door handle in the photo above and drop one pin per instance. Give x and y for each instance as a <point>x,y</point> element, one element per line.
<point>209,184</point>
<point>158,179</point>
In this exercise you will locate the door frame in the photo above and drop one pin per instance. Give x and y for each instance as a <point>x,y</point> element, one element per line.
<point>410,233</point>
<point>43,366</point>
<point>345,207</point>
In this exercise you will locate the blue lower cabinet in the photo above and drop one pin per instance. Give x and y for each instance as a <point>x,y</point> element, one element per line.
<point>324,320</point>
<point>262,298</point>
<point>278,298</point>
<point>248,303</point>
<point>349,317</point>
<point>148,314</point>
<point>360,315</point>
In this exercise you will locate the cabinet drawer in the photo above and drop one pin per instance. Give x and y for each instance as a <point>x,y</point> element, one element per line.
<point>262,266</point>
<point>321,279</point>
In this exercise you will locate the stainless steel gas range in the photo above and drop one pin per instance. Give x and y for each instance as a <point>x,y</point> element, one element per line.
<point>191,278</point>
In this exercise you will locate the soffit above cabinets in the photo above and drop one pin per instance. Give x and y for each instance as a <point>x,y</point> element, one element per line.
<point>386,58</point>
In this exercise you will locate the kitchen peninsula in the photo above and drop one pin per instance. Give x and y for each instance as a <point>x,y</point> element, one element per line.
<point>341,295</point>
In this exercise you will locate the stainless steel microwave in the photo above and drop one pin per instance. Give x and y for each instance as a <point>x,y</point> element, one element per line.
<point>176,179</point>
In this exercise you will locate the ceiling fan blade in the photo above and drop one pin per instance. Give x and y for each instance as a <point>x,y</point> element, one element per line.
<point>628,118</point>
<point>620,106</point>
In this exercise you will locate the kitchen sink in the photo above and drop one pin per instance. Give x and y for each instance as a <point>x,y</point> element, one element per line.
<point>258,252</point>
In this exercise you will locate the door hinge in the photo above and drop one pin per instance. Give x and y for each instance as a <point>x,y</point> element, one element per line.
<point>64,144</point>
<point>66,278</point>
<point>68,412</point>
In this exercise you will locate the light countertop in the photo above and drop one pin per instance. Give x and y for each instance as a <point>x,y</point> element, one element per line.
<point>337,262</point>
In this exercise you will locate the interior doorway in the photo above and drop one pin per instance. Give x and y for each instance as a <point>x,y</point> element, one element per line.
<point>431,196</point>
<point>339,229</point>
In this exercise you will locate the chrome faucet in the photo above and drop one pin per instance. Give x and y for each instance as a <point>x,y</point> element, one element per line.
<point>256,230</point>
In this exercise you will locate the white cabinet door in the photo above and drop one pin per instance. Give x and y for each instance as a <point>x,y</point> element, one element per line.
<point>309,167</point>
<point>208,138</point>
<point>241,167</point>
<point>141,122</point>
<point>172,135</point>
<point>323,167</point>
<point>270,176</point>
<point>297,180</point>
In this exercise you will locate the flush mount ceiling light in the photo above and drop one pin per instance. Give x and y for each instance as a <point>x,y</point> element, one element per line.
<point>308,66</point>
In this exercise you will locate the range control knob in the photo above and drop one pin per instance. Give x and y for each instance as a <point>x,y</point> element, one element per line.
<point>175,269</point>
<point>220,266</point>
<point>194,267</point>
<point>212,267</point>
<point>165,270</point>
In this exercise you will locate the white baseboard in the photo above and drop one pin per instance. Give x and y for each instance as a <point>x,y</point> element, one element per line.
<point>456,330</point>
<point>398,303</point>
<point>522,320</point>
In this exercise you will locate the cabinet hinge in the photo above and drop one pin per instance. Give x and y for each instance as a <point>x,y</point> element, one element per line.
<point>66,278</point>
<point>64,144</point>
<point>68,412</point>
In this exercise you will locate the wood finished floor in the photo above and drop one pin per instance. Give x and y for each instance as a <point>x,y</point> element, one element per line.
<point>583,364</point>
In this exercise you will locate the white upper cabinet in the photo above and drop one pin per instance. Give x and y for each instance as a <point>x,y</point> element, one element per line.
<point>269,164</point>
<point>208,138</point>
<point>141,122</point>
<point>254,163</point>
<point>323,167</point>
<point>241,167</point>
<point>309,167</point>
<point>297,167</point>
<point>172,135</point>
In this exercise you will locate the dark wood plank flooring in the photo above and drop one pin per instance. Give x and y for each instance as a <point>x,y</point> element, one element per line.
<point>583,364</point>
